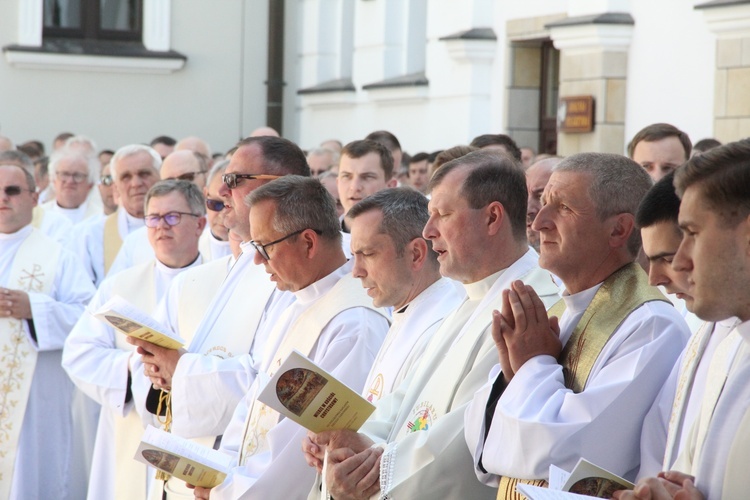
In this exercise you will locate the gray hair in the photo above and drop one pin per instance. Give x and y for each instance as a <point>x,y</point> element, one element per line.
<point>404,212</point>
<point>17,158</point>
<point>92,163</point>
<point>188,190</point>
<point>321,151</point>
<point>81,139</point>
<point>218,169</point>
<point>618,184</point>
<point>301,203</point>
<point>132,150</point>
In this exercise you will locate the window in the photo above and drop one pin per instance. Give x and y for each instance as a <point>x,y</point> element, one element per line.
<point>93,19</point>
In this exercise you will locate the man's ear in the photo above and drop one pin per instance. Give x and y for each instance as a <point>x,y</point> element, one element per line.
<point>312,240</point>
<point>495,212</point>
<point>622,227</point>
<point>391,183</point>
<point>417,252</point>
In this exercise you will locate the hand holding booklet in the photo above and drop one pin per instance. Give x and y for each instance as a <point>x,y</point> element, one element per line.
<point>305,393</point>
<point>128,319</point>
<point>585,481</point>
<point>195,464</point>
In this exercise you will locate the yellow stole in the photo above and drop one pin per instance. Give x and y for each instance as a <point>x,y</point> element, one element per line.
<point>302,335</point>
<point>33,270</point>
<point>112,241</point>
<point>138,286</point>
<point>622,292</point>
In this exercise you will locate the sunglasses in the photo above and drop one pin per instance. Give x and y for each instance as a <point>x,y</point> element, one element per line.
<point>214,205</point>
<point>231,180</point>
<point>187,176</point>
<point>106,180</point>
<point>15,190</point>
<point>171,218</point>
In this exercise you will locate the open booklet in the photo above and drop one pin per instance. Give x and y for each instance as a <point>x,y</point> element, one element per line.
<point>128,319</point>
<point>305,393</point>
<point>585,481</point>
<point>183,459</point>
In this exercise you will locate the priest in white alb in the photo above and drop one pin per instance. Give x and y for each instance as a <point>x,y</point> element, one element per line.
<point>43,291</point>
<point>580,386</point>
<point>477,227</point>
<point>98,358</point>
<point>73,174</point>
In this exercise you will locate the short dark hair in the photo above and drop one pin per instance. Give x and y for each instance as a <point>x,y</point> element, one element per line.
<point>493,177</point>
<point>660,204</point>
<point>385,138</point>
<point>281,156</point>
<point>163,139</point>
<point>419,157</point>
<point>404,215</point>
<point>482,141</point>
<point>32,149</point>
<point>723,177</point>
<point>705,144</point>
<point>449,154</point>
<point>657,132</point>
<point>358,149</point>
<point>301,202</point>
<point>63,136</point>
<point>432,156</point>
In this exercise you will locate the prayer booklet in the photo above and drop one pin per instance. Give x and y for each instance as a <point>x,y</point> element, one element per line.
<point>128,319</point>
<point>307,394</point>
<point>195,464</point>
<point>585,481</point>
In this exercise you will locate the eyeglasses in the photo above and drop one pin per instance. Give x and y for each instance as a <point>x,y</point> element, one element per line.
<point>106,180</point>
<point>187,176</point>
<point>214,205</point>
<point>231,179</point>
<point>261,249</point>
<point>11,191</point>
<point>171,218</point>
<point>72,176</point>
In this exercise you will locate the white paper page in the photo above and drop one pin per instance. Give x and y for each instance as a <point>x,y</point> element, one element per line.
<point>538,493</point>
<point>557,477</point>
<point>188,449</point>
<point>125,308</point>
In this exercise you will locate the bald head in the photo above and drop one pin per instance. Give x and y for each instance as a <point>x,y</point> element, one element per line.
<point>195,144</point>
<point>185,165</point>
<point>6,144</point>
<point>537,176</point>
<point>264,131</point>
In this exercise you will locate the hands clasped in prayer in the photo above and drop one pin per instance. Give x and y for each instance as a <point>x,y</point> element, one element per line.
<point>522,330</point>
<point>158,363</point>
<point>14,304</point>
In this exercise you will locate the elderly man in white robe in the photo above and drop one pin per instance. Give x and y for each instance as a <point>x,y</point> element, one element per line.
<point>99,360</point>
<point>227,336</point>
<point>398,268</point>
<point>580,386</point>
<point>135,169</point>
<point>477,227</point>
<point>715,222</point>
<point>43,291</point>
<point>73,174</point>
<point>333,321</point>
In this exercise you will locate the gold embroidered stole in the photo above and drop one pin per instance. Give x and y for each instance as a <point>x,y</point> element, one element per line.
<point>138,286</point>
<point>33,270</point>
<point>112,240</point>
<point>622,292</point>
<point>302,335</point>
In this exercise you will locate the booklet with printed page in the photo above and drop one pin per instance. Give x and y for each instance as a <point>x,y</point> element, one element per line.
<point>195,464</point>
<point>307,394</point>
<point>128,319</point>
<point>585,481</point>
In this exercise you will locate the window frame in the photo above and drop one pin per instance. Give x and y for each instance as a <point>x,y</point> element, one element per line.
<point>91,25</point>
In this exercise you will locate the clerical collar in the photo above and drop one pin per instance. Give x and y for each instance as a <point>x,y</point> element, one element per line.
<point>165,269</point>
<point>20,234</point>
<point>132,223</point>
<point>744,331</point>
<point>323,285</point>
<point>578,302</point>
<point>478,289</point>
<point>78,209</point>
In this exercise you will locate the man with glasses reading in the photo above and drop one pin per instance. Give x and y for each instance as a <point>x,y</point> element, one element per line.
<point>43,291</point>
<point>297,239</point>
<point>228,331</point>
<point>100,361</point>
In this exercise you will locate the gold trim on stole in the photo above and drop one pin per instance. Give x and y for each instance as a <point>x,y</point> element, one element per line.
<point>622,292</point>
<point>112,241</point>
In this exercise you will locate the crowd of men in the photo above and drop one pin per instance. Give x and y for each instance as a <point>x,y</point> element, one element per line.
<point>504,313</point>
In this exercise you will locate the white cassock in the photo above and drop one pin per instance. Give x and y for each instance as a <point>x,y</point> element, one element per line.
<point>47,424</point>
<point>212,247</point>
<point>345,348</point>
<point>98,361</point>
<point>717,452</point>
<point>538,421</point>
<point>74,215</point>
<point>422,421</point>
<point>678,403</point>
<point>87,241</point>
<point>52,224</point>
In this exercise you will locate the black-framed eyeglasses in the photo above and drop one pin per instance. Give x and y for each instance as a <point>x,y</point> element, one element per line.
<point>214,205</point>
<point>11,191</point>
<point>261,248</point>
<point>106,180</point>
<point>187,176</point>
<point>231,179</point>
<point>76,177</point>
<point>171,218</point>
